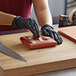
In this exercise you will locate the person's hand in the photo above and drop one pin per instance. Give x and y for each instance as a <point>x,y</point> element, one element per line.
<point>27,23</point>
<point>48,30</point>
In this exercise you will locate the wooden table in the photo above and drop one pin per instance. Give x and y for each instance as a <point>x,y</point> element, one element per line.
<point>38,61</point>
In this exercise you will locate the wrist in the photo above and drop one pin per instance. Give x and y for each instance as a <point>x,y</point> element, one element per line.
<point>15,21</point>
<point>47,25</point>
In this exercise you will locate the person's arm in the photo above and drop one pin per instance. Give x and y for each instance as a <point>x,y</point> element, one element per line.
<point>6,19</point>
<point>18,21</point>
<point>45,19</point>
<point>42,12</point>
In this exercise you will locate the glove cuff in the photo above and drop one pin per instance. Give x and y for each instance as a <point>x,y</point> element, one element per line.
<point>14,21</point>
<point>47,25</point>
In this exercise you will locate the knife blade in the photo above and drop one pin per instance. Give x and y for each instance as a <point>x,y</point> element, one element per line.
<point>5,50</point>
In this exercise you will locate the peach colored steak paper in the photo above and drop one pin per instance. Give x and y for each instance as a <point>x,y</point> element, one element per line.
<point>69,32</point>
<point>38,44</point>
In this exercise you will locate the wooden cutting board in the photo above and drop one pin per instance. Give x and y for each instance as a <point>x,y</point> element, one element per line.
<point>69,32</point>
<point>38,61</point>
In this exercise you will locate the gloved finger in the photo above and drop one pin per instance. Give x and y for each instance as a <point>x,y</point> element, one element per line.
<point>50,33</point>
<point>36,28</point>
<point>33,31</point>
<point>52,30</point>
<point>58,38</point>
<point>55,37</point>
<point>45,33</point>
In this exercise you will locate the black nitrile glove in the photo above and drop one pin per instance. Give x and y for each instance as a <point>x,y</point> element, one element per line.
<point>48,30</point>
<point>27,23</point>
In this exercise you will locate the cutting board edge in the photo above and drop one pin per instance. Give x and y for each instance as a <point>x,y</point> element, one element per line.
<point>36,69</point>
<point>1,72</point>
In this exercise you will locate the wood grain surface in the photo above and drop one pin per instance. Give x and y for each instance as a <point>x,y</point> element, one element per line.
<point>38,61</point>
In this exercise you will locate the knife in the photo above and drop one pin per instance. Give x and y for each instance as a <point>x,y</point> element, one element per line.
<point>5,50</point>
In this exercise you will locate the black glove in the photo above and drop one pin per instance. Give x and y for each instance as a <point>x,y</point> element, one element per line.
<point>27,23</point>
<point>48,30</point>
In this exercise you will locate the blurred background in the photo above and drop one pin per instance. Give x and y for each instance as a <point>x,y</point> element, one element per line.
<point>58,7</point>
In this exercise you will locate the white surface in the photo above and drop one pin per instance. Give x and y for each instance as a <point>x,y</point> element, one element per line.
<point>68,72</point>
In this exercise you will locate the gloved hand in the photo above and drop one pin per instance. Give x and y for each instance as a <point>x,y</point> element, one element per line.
<point>48,30</point>
<point>27,23</point>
